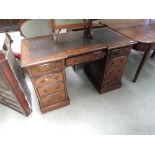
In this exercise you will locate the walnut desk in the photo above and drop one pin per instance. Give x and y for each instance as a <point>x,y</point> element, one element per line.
<point>105,56</point>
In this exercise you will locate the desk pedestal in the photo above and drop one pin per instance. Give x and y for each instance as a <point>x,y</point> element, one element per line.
<point>107,75</point>
<point>49,81</point>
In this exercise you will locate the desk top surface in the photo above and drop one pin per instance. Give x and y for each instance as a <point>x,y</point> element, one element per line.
<point>45,49</point>
<point>124,23</point>
<point>142,34</point>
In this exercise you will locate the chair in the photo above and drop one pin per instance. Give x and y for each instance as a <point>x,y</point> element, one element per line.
<point>35,28</point>
<point>58,24</point>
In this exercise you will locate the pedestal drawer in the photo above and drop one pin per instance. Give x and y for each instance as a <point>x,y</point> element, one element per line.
<point>52,99</point>
<point>48,79</point>
<point>45,68</point>
<point>46,90</point>
<point>117,61</point>
<point>112,81</point>
<point>115,71</point>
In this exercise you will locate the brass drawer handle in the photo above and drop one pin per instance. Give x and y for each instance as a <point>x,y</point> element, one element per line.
<point>116,50</point>
<point>45,80</point>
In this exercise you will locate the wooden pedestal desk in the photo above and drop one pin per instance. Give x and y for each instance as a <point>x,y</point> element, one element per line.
<point>104,57</point>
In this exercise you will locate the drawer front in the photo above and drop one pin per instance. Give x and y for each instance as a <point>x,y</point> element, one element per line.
<point>85,58</point>
<point>48,79</point>
<point>115,71</point>
<point>112,81</point>
<point>52,99</point>
<point>120,51</point>
<point>51,89</point>
<point>45,68</point>
<point>117,61</point>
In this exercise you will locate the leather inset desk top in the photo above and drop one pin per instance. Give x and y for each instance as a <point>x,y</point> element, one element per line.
<point>44,49</point>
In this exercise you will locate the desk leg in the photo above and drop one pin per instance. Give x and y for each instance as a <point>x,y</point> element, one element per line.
<point>153,54</point>
<point>146,53</point>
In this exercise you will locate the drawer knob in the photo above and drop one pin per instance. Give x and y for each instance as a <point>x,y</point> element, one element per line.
<point>56,78</point>
<point>121,61</point>
<point>55,67</point>
<point>45,91</point>
<point>46,79</point>
<point>58,87</point>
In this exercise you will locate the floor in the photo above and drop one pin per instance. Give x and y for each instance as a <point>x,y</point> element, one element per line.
<point>128,110</point>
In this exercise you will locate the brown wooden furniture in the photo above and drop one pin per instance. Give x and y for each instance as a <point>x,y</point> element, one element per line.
<point>14,92</point>
<point>124,23</point>
<point>145,36</point>
<point>105,56</point>
<point>74,25</point>
<point>142,31</point>
<point>58,24</point>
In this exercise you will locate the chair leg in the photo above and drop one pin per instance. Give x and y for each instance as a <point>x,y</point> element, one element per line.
<point>153,54</point>
<point>146,53</point>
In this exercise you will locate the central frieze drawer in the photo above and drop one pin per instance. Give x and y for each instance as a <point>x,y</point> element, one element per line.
<point>48,79</point>
<point>46,90</point>
<point>85,58</point>
<point>45,68</point>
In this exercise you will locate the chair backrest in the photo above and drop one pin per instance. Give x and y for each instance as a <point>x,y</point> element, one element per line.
<point>58,24</point>
<point>124,23</point>
<point>5,41</point>
<point>35,28</point>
